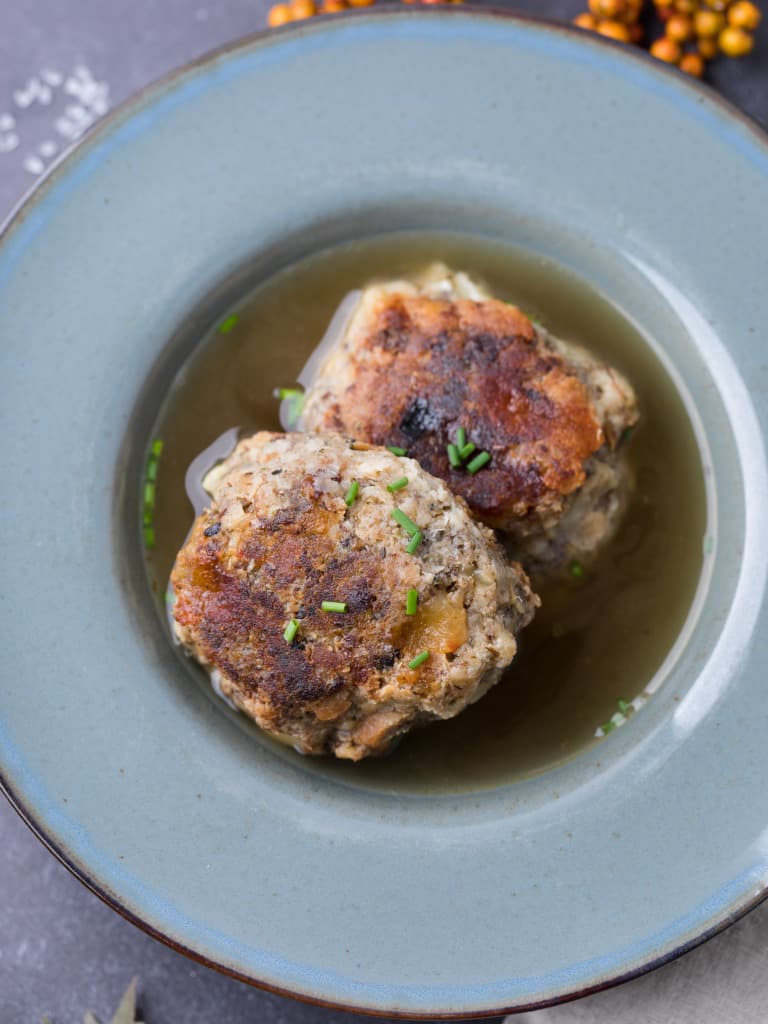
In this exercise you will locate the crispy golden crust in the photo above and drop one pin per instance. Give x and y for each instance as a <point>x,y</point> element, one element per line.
<point>418,368</point>
<point>279,540</point>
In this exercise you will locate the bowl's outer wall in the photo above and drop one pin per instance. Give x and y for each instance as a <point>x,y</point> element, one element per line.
<point>399,904</point>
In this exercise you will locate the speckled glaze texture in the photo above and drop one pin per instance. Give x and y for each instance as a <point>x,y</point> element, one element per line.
<point>407,904</point>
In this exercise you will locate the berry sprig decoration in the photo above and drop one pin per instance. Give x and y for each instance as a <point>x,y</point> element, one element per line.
<point>297,10</point>
<point>695,31</point>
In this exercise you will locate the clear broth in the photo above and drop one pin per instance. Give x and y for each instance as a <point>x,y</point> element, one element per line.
<point>596,640</point>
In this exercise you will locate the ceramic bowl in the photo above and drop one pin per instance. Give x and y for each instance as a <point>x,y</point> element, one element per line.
<point>412,904</point>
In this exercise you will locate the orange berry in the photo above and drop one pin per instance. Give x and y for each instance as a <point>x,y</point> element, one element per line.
<point>586,20</point>
<point>686,6</point>
<point>708,48</point>
<point>634,10</point>
<point>614,30</point>
<point>301,9</point>
<point>692,64</point>
<point>280,14</point>
<point>333,6</point>
<point>360,3</point>
<point>735,42</point>
<point>666,49</point>
<point>708,23</point>
<point>679,28</point>
<point>665,12</point>
<point>744,15</point>
<point>609,9</point>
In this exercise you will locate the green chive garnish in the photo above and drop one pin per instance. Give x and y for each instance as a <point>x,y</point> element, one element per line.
<point>411,602</point>
<point>623,706</point>
<point>414,542</point>
<point>418,660</point>
<point>398,485</point>
<point>453,456</point>
<point>577,570</point>
<point>147,517</point>
<point>351,494</point>
<point>478,462</point>
<point>149,536</point>
<point>466,451</point>
<point>290,631</point>
<point>152,469</point>
<point>608,727</point>
<point>395,450</point>
<point>229,324</point>
<point>407,524</point>
<point>295,403</point>
<point>461,438</point>
<point>334,606</point>
<point>149,495</point>
<point>157,447</point>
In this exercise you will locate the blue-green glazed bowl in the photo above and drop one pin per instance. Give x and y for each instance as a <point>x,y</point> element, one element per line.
<point>400,903</point>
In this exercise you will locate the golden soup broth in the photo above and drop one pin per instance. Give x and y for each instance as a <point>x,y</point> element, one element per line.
<point>596,640</point>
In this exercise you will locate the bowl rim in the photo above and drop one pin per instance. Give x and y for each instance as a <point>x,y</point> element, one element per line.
<point>48,180</point>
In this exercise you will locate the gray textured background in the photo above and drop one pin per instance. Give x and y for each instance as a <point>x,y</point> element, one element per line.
<point>61,950</point>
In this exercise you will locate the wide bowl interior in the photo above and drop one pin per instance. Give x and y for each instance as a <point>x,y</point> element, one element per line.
<point>417,905</point>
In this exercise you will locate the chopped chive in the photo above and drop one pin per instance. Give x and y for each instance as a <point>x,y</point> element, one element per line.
<point>147,517</point>
<point>623,706</point>
<point>152,469</point>
<point>461,438</point>
<point>294,397</point>
<point>149,536</point>
<point>333,606</point>
<point>149,495</point>
<point>453,456</point>
<point>228,324</point>
<point>414,542</point>
<point>157,447</point>
<point>290,631</point>
<point>577,569</point>
<point>407,524</point>
<point>398,485</point>
<point>351,494</point>
<point>395,450</point>
<point>418,660</point>
<point>411,602</point>
<point>478,462</point>
<point>608,727</point>
<point>466,451</point>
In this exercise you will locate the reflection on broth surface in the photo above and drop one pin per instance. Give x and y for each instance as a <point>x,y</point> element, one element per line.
<point>600,636</point>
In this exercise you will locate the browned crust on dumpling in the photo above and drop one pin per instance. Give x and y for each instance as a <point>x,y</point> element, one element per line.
<point>279,539</point>
<point>419,368</point>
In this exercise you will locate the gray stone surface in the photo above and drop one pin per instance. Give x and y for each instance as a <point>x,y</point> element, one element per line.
<point>61,950</point>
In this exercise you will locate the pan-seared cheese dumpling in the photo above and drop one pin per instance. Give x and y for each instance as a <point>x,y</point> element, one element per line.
<point>417,362</point>
<point>340,595</point>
